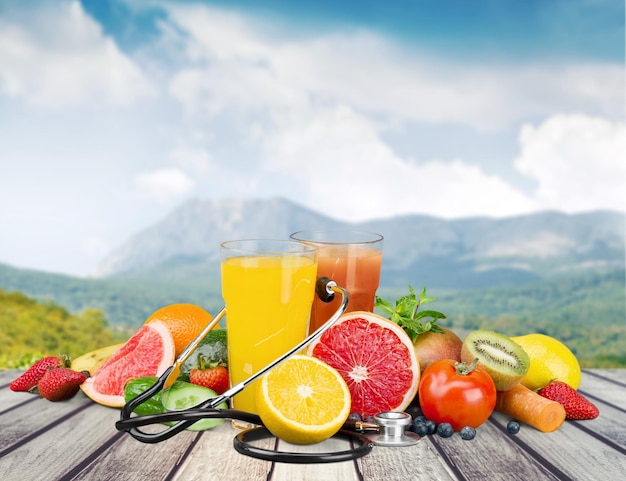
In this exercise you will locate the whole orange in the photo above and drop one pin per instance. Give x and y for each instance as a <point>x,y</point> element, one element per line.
<point>184,321</point>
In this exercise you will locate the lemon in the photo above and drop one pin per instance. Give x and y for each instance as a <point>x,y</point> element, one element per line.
<point>550,359</point>
<point>303,400</point>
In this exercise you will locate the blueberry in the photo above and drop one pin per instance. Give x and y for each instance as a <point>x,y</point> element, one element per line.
<point>445,430</point>
<point>420,428</point>
<point>419,419</point>
<point>414,410</point>
<point>354,417</point>
<point>512,427</point>
<point>468,433</point>
<point>369,420</point>
<point>431,425</point>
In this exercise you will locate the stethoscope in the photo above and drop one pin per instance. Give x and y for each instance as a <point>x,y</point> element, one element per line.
<point>388,429</point>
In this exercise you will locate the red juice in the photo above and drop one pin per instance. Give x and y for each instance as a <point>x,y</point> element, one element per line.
<point>350,258</point>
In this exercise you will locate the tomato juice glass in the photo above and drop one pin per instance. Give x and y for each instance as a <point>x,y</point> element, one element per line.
<point>268,288</point>
<point>352,259</point>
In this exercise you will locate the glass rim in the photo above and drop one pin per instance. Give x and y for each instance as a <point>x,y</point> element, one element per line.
<point>367,237</point>
<point>253,246</point>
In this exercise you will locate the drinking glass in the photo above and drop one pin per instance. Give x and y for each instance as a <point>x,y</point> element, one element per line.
<point>353,260</point>
<point>268,288</point>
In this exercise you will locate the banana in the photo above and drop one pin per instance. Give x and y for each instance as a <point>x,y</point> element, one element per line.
<point>92,361</point>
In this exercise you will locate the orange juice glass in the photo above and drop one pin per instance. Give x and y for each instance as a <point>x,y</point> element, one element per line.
<point>268,288</point>
<point>353,260</point>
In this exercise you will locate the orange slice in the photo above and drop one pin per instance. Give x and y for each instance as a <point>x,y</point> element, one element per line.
<point>303,400</point>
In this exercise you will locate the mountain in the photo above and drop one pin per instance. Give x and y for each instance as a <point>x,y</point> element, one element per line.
<point>193,233</point>
<point>448,254</point>
<point>562,275</point>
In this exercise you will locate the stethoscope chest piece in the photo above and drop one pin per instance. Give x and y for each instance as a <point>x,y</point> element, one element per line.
<point>392,430</point>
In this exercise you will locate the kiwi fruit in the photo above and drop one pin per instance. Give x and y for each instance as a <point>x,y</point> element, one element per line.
<point>504,359</point>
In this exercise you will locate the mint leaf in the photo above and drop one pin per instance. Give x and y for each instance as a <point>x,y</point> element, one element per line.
<point>406,313</point>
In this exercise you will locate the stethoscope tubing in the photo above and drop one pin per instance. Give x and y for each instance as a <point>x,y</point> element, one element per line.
<point>360,445</point>
<point>188,416</point>
<point>325,289</point>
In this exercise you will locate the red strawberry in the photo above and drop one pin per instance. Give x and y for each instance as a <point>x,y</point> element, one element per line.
<point>31,377</point>
<point>60,383</point>
<point>577,406</point>
<point>215,378</point>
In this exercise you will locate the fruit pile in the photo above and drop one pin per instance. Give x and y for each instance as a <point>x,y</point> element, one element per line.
<point>531,378</point>
<point>364,364</point>
<point>112,375</point>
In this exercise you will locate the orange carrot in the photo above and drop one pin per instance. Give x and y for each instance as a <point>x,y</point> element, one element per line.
<point>527,406</point>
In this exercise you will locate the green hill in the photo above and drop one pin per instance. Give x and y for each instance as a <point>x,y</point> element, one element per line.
<point>30,329</point>
<point>124,302</point>
<point>585,310</point>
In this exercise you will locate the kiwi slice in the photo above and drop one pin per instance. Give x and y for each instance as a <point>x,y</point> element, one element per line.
<point>504,359</point>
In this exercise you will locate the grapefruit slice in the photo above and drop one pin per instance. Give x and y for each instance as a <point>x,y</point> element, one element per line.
<point>376,359</point>
<point>149,352</point>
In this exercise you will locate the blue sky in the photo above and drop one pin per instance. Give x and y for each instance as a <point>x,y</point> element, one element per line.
<point>114,113</point>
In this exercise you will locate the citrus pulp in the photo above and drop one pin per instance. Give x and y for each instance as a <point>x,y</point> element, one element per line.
<point>149,352</point>
<point>375,357</point>
<point>550,360</point>
<point>185,322</point>
<point>303,400</point>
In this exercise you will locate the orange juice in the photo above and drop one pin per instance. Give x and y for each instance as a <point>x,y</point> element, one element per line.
<point>268,304</point>
<point>357,269</point>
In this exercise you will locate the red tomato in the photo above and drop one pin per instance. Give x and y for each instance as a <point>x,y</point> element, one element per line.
<point>456,393</point>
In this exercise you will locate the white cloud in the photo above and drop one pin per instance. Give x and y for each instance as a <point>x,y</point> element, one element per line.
<point>578,162</point>
<point>325,103</point>
<point>165,184</point>
<point>351,174</point>
<point>57,56</point>
<point>237,65</point>
<point>195,158</point>
<point>243,108</point>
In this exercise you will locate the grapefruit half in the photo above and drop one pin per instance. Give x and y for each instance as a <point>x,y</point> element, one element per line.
<point>376,359</point>
<point>149,352</point>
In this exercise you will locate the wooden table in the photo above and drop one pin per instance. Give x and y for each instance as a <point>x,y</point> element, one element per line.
<point>77,439</point>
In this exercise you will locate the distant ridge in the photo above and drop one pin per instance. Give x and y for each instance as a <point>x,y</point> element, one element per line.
<point>197,228</point>
<point>462,253</point>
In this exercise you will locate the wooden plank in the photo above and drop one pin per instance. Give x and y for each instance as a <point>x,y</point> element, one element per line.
<point>343,471</point>
<point>203,462</point>
<point>65,444</point>
<point>617,375</point>
<point>419,461</point>
<point>607,392</point>
<point>9,398</point>
<point>492,453</point>
<point>132,460</point>
<point>30,417</point>
<point>570,450</point>
<point>80,445</point>
<point>77,439</point>
<point>607,386</point>
<point>214,457</point>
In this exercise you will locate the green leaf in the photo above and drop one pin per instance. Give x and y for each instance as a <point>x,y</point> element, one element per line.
<point>433,314</point>
<point>385,306</point>
<point>406,313</point>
